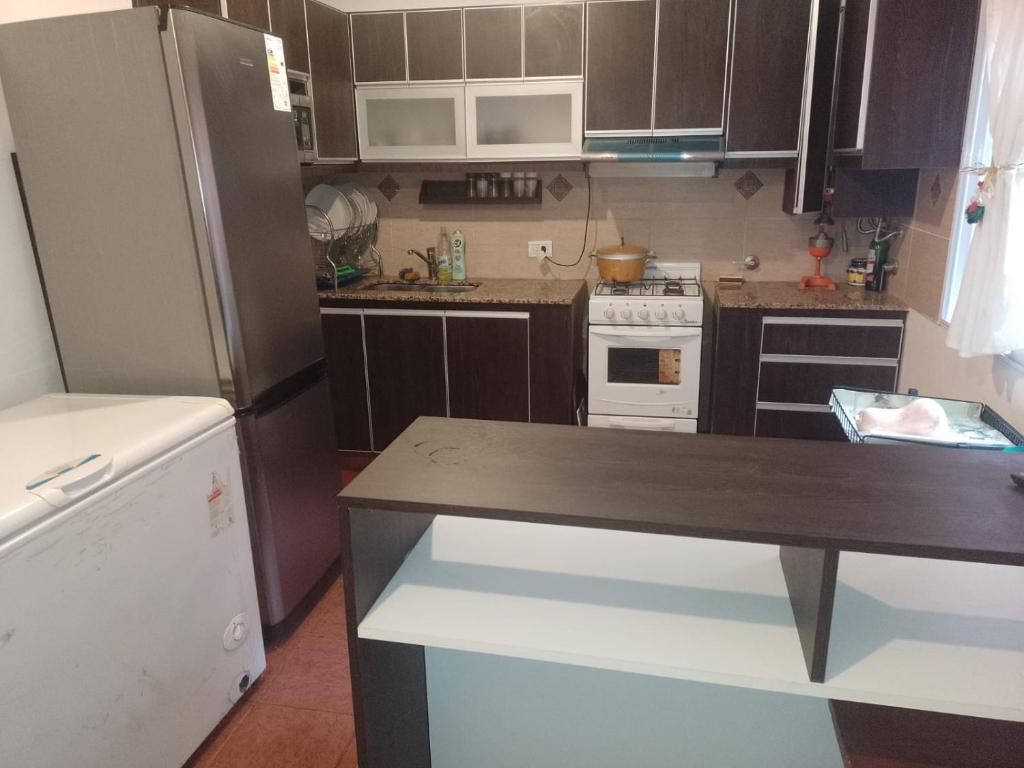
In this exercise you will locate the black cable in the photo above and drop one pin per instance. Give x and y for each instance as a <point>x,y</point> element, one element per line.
<point>586,229</point>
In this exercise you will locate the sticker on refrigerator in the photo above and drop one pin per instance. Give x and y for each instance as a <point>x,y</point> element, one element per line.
<point>221,508</point>
<point>278,73</point>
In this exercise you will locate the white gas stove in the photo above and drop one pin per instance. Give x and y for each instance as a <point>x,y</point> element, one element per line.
<point>669,294</point>
<point>645,350</point>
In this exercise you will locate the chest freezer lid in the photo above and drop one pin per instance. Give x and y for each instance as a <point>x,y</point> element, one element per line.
<point>61,448</point>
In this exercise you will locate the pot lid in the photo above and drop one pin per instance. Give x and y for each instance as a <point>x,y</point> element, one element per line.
<point>624,252</point>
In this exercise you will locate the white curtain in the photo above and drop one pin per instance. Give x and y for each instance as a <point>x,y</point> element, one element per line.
<point>989,314</point>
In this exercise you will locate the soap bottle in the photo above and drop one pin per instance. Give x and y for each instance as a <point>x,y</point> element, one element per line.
<point>458,255</point>
<point>444,257</point>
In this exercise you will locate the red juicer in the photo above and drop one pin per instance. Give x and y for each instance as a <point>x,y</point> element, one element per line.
<point>819,246</point>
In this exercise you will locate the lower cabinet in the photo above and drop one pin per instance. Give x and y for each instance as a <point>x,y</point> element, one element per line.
<point>405,368</point>
<point>389,366</point>
<point>488,365</point>
<point>774,371</point>
<point>346,369</point>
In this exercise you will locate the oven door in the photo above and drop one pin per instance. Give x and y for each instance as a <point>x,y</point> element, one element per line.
<point>644,371</point>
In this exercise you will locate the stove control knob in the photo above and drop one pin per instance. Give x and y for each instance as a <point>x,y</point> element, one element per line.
<point>627,313</point>
<point>661,314</point>
<point>609,313</point>
<point>643,314</point>
<point>679,314</point>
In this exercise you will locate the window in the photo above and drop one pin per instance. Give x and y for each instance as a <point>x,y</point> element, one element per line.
<point>977,151</point>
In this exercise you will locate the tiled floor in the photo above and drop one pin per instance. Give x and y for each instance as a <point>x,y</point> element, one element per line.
<point>299,713</point>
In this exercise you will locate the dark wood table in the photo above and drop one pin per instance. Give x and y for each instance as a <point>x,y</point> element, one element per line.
<point>814,499</point>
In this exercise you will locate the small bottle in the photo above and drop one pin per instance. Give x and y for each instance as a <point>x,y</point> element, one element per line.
<point>444,257</point>
<point>458,255</point>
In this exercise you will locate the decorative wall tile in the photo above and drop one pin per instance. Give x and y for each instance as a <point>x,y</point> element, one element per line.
<point>935,192</point>
<point>559,187</point>
<point>388,187</point>
<point>748,184</point>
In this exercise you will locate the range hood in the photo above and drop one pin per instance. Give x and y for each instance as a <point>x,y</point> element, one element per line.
<point>654,155</point>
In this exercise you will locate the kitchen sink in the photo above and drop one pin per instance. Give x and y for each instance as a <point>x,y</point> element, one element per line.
<point>424,287</point>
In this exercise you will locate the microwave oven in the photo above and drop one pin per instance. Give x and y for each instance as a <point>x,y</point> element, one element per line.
<point>302,116</point>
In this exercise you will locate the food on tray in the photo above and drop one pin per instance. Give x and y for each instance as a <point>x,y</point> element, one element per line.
<point>921,418</point>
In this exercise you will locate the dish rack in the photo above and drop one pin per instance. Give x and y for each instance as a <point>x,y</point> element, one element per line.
<point>974,425</point>
<point>346,247</point>
<point>339,251</point>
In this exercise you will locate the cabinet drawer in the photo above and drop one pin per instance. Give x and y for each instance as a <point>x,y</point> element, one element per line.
<point>835,337</point>
<point>813,382</point>
<point>799,425</point>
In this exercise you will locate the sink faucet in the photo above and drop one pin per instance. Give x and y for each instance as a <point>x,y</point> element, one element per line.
<point>430,261</point>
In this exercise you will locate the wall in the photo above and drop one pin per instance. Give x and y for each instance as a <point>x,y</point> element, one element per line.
<point>28,361</point>
<point>705,220</point>
<point>928,364</point>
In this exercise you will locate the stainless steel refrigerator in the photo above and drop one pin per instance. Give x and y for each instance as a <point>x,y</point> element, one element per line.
<point>158,161</point>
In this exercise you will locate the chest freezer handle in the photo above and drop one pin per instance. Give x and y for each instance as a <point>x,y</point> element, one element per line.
<point>65,484</point>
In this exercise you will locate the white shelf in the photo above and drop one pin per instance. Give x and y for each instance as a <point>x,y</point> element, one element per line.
<point>926,634</point>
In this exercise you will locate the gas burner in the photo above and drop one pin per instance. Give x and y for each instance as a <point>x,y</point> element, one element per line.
<point>620,289</point>
<point>673,288</point>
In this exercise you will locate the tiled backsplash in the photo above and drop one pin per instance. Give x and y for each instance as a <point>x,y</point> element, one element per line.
<point>705,220</point>
<point>923,247</point>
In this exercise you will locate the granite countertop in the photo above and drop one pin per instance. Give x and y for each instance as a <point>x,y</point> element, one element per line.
<point>786,295</point>
<point>490,290</point>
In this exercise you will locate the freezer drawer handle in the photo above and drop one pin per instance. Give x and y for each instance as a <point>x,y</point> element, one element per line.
<point>64,483</point>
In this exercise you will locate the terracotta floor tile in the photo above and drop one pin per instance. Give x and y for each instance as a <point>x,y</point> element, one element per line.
<point>228,727</point>
<point>348,760</point>
<point>327,619</point>
<point>308,672</point>
<point>282,737</point>
<point>277,658</point>
<point>315,677</point>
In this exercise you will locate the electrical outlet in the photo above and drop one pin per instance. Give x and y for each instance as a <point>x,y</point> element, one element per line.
<point>539,249</point>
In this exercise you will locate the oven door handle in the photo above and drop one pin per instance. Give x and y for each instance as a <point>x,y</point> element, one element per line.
<point>646,423</point>
<point>646,333</point>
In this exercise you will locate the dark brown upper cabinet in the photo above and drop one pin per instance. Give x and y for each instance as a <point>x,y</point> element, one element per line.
<point>207,6</point>
<point>378,47</point>
<point>434,43</point>
<point>922,60</point>
<point>288,21</point>
<point>553,39</point>
<point>805,183</point>
<point>620,65</point>
<point>766,86</point>
<point>255,13</point>
<point>851,74</point>
<point>330,69</point>
<point>693,41</point>
<point>494,43</point>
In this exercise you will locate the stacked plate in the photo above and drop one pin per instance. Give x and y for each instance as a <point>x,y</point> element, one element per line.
<point>331,210</point>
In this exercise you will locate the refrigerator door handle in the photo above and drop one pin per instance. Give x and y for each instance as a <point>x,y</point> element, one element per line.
<point>64,484</point>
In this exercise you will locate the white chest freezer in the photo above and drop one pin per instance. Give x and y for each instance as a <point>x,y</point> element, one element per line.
<point>129,620</point>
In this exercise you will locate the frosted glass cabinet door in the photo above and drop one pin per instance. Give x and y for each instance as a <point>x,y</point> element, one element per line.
<point>524,120</point>
<point>411,123</point>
